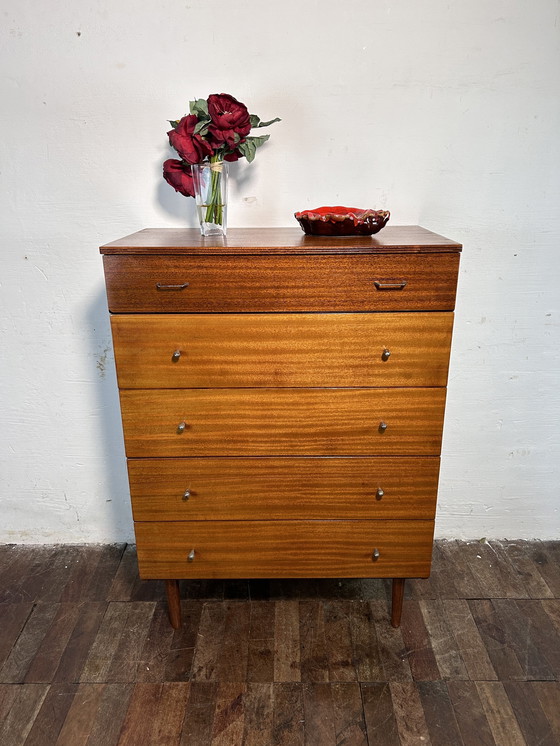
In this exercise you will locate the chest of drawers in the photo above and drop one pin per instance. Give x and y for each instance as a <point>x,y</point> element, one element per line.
<point>282,401</point>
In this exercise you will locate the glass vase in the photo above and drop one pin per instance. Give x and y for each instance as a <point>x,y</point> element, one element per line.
<point>210,188</point>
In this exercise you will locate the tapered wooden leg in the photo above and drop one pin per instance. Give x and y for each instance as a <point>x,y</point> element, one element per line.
<point>397,601</point>
<point>173,602</point>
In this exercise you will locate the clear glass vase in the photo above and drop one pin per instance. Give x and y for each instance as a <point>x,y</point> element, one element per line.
<point>210,188</point>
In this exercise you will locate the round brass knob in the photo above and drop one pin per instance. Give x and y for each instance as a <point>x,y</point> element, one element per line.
<point>379,494</point>
<point>375,556</point>
<point>181,427</point>
<point>186,495</point>
<point>190,558</point>
<point>176,355</point>
<point>386,354</point>
<point>382,427</point>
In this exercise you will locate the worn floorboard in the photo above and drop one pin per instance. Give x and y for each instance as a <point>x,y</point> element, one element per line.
<point>87,654</point>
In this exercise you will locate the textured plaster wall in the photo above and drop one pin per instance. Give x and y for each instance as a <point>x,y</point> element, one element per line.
<point>445,113</point>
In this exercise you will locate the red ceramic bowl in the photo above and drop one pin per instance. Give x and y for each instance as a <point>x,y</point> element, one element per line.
<point>342,221</point>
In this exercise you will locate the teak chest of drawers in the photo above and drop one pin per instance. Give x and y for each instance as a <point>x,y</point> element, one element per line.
<point>282,400</point>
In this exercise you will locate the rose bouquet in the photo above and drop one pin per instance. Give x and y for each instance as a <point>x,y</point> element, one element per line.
<point>215,132</point>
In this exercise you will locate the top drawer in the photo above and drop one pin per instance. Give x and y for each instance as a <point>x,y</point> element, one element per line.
<point>218,284</point>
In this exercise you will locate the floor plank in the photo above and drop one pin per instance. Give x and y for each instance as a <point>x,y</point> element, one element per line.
<point>81,715</point>
<point>532,721</point>
<point>548,694</point>
<point>286,641</point>
<point>499,713</point>
<point>314,664</point>
<point>409,713</point>
<point>28,643</point>
<point>318,711</point>
<point>288,717</point>
<point>392,650</point>
<point>439,713</point>
<point>259,714</point>
<point>25,703</point>
<point>418,644</point>
<point>379,715</point>
<point>444,646</point>
<point>349,722</point>
<point>260,658</point>
<point>50,718</point>
<point>469,714</point>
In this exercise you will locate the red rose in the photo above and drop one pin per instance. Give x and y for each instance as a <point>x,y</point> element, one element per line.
<point>231,157</point>
<point>179,176</point>
<point>192,148</point>
<point>218,138</point>
<point>227,113</point>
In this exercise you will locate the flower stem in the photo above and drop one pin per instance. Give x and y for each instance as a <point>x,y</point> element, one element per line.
<point>214,210</point>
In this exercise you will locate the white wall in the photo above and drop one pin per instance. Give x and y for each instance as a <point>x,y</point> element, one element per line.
<point>445,113</point>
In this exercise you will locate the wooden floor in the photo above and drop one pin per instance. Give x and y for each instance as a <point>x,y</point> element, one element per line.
<point>87,655</point>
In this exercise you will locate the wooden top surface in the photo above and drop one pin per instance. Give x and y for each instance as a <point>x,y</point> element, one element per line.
<point>394,239</point>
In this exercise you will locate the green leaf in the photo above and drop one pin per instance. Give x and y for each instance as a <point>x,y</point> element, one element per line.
<point>201,127</point>
<point>174,123</point>
<point>259,140</point>
<point>248,149</point>
<point>254,120</point>
<point>199,107</point>
<point>236,137</point>
<point>267,124</point>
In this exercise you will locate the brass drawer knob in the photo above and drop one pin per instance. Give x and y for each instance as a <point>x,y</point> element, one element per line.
<point>379,494</point>
<point>190,558</point>
<point>376,554</point>
<point>386,354</point>
<point>382,427</point>
<point>181,427</point>
<point>176,355</point>
<point>186,495</point>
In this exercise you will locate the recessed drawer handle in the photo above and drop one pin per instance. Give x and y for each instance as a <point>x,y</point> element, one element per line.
<point>382,427</point>
<point>160,286</point>
<point>388,285</point>
<point>375,556</point>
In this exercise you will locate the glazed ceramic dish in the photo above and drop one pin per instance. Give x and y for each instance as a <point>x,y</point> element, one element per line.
<point>342,221</point>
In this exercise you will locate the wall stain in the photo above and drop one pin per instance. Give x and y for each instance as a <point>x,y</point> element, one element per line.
<point>102,362</point>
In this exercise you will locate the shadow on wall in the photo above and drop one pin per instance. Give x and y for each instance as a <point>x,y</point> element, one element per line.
<point>113,489</point>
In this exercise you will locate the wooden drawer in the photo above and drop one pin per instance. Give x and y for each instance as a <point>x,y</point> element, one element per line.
<point>282,488</point>
<point>280,422</point>
<point>253,350</point>
<point>220,284</point>
<point>284,549</point>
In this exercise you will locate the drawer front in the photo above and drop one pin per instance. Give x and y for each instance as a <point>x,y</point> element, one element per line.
<point>281,422</point>
<point>386,282</point>
<point>284,549</point>
<point>253,350</point>
<point>198,489</point>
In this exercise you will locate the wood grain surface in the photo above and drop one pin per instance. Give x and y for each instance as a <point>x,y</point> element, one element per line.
<point>289,549</point>
<point>217,284</point>
<point>276,488</point>
<point>253,350</point>
<point>271,422</point>
<point>405,238</point>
